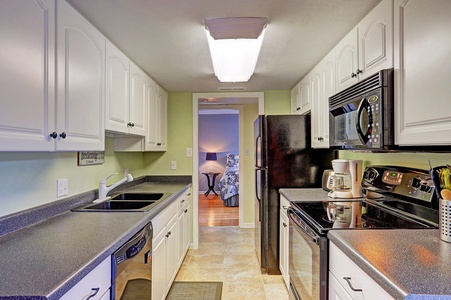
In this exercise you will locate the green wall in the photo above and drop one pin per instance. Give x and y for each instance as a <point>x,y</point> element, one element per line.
<point>28,179</point>
<point>277,102</point>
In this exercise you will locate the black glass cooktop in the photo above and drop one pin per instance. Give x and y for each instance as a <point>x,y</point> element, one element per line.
<point>365,214</point>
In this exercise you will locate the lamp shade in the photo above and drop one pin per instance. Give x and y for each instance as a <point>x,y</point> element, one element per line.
<point>211,156</point>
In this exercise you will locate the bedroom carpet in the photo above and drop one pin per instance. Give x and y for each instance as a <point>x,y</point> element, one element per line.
<point>201,290</point>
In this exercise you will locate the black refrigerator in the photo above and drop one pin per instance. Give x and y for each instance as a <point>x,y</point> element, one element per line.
<point>283,159</point>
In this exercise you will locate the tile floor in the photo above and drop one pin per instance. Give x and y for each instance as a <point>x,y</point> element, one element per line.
<point>227,254</point>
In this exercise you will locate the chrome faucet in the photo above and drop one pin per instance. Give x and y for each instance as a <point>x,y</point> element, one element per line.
<point>104,190</point>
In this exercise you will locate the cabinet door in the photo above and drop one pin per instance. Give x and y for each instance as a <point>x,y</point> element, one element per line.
<point>159,265</point>
<point>346,61</point>
<point>305,95</point>
<point>81,85</point>
<point>117,89</point>
<point>422,76</point>
<point>152,114</point>
<point>284,247</point>
<point>376,40</point>
<point>162,119</point>
<point>319,112</point>
<point>295,106</point>
<point>171,252</point>
<point>138,88</point>
<point>27,64</point>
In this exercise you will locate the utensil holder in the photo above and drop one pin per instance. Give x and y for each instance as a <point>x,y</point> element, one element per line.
<point>445,220</point>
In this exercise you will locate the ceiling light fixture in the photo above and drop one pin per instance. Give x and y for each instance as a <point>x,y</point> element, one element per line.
<point>234,46</point>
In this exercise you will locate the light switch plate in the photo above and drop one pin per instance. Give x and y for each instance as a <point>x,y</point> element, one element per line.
<point>62,187</point>
<point>173,165</point>
<point>189,152</point>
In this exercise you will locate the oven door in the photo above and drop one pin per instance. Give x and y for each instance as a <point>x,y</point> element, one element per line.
<point>308,256</point>
<point>132,267</point>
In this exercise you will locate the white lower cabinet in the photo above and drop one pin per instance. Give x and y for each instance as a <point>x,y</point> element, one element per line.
<point>94,286</point>
<point>348,281</point>
<point>167,255</point>
<point>284,240</point>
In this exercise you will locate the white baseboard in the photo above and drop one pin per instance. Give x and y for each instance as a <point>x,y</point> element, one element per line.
<point>248,225</point>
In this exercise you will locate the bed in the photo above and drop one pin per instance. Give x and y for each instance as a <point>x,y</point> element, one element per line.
<point>229,182</point>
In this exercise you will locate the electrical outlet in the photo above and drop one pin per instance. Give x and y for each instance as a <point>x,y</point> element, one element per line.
<point>189,152</point>
<point>62,187</point>
<point>173,165</point>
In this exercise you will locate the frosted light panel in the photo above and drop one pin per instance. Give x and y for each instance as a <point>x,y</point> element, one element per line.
<point>234,60</point>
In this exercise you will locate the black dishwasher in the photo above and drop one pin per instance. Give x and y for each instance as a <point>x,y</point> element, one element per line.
<point>132,267</point>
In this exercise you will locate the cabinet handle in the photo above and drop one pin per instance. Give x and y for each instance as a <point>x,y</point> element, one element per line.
<point>130,124</point>
<point>189,194</point>
<point>358,71</point>
<point>133,124</point>
<point>298,108</point>
<point>93,293</point>
<point>353,75</point>
<point>320,139</point>
<point>182,201</point>
<point>186,210</point>
<point>284,224</point>
<point>169,233</point>
<point>53,135</point>
<point>284,207</point>
<point>63,135</point>
<point>348,280</point>
<point>158,144</point>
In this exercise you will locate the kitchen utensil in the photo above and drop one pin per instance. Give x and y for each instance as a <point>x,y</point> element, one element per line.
<point>438,178</point>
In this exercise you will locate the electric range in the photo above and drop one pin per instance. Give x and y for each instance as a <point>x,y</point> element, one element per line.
<point>395,198</point>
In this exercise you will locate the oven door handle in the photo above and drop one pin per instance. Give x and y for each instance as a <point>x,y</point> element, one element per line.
<point>294,218</point>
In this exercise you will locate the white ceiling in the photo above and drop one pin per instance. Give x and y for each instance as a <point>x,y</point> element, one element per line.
<point>166,38</point>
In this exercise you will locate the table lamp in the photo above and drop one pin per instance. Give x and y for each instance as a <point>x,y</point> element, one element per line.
<point>211,156</point>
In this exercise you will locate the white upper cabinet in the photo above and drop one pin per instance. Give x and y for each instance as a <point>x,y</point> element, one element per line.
<point>81,83</point>
<point>126,88</point>
<point>138,99</point>
<point>157,115</point>
<point>422,72</point>
<point>368,48</point>
<point>33,116</point>
<point>27,77</point>
<point>295,105</point>
<point>305,101</point>
<point>347,61</point>
<point>117,89</point>
<point>375,33</point>
<point>318,112</point>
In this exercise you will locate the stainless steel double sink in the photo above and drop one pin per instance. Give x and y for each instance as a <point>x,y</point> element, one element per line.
<point>125,202</point>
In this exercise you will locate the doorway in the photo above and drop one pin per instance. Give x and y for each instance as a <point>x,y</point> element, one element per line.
<point>218,164</point>
<point>225,100</point>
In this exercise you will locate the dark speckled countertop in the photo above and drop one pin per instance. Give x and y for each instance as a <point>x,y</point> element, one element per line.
<point>44,260</point>
<point>412,264</point>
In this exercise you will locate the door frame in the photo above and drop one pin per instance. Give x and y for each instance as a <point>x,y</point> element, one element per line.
<point>195,177</point>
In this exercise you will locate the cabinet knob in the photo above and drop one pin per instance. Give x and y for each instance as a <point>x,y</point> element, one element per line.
<point>130,124</point>
<point>320,139</point>
<point>284,224</point>
<point>53,135</point>
<point>158,144</point>
<point>358,71</point>
<point>183,200</point>
<point>353,75</point>
<point>298,108</point>
<point>63,135</point>
<point>186,210</point>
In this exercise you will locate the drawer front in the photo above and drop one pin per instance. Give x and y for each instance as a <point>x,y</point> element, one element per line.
<point>160,221</point>
<point>357,283</point>
<point>94,285</point>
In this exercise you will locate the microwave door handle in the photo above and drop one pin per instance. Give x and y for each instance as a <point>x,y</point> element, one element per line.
<point>362,136</point>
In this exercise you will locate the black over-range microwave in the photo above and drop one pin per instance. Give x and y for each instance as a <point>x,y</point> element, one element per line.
<point>361,116</point>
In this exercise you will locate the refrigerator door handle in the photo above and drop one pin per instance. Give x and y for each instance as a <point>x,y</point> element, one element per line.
<point>258,161</point>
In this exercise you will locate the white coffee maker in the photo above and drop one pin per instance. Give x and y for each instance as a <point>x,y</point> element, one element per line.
<point>346,180</point>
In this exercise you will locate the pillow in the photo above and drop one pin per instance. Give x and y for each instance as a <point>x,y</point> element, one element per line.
<point>233,160</point>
